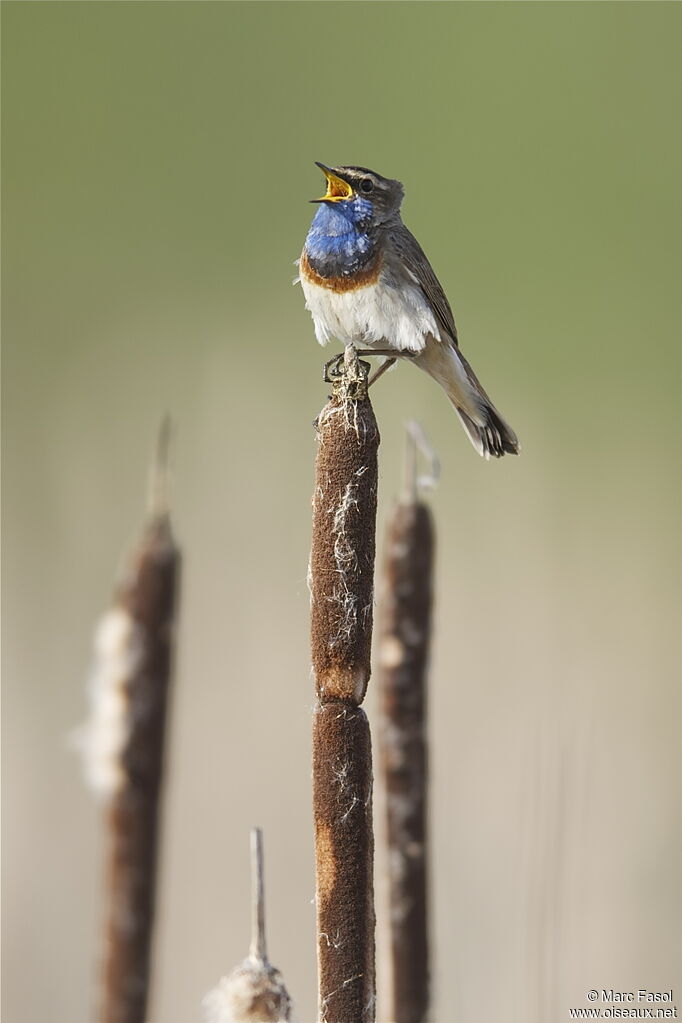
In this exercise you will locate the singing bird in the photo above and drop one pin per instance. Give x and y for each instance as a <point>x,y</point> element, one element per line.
<point>367,282</point>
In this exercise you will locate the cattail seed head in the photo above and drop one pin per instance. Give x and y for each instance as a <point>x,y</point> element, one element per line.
<point>343,548</point>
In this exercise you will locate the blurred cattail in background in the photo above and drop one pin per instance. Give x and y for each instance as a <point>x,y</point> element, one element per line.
<point>403,649</point>
<point>123,747</point>
<point>254,992</point>
<point>341,585</point>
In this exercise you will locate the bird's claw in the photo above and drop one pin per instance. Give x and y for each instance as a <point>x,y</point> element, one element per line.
<point>332,369</point>
<point>335,369</point>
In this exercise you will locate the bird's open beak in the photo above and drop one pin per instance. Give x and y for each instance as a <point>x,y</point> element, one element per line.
<point>337,188</point>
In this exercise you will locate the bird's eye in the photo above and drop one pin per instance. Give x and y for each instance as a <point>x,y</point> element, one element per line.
<point>367,185</point>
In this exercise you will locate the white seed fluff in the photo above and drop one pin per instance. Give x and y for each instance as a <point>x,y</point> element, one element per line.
<point>253,993</point>
<point>101,740</point>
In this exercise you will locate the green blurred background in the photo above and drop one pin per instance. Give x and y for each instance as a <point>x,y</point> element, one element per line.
<point>158,159</point>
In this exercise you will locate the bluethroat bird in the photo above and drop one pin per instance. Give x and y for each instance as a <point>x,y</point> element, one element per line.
<point>368,283</point>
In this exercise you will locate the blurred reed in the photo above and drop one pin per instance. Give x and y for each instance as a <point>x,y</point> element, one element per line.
<point>124,747</point>
<point>404,638</point>
<point>341,584</point>
<point>254,992</point>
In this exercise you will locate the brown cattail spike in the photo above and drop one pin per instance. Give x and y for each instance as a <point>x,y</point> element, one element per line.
<point>343,544</point>
<point>344,846</point>
<point>341,583</point>
<point>145,603</point>
<point>405,626</point>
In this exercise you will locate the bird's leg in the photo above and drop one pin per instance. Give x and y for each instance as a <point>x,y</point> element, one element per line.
<point>391,356</point>
<point>391,352</point>
<point>382,369</point>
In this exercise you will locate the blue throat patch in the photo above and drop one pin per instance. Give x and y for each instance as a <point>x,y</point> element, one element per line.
<point>338,242</point>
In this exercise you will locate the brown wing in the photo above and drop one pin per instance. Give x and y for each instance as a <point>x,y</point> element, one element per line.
<point>414,259</point>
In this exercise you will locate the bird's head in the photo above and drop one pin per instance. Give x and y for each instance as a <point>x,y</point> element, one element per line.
<point>361,194</point>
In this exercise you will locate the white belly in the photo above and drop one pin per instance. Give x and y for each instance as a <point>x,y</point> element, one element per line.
<point>387,314</point>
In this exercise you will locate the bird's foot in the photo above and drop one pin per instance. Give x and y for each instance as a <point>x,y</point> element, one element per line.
<point>348,363</point>
<point>347,374</point>
<point>333,369</point>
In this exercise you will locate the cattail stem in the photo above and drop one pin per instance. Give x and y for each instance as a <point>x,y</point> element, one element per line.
<point>254,992</point>
<point>341,581</point>
<point>144,608</point>
<point>257,949</point>
<point>404,634</point>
